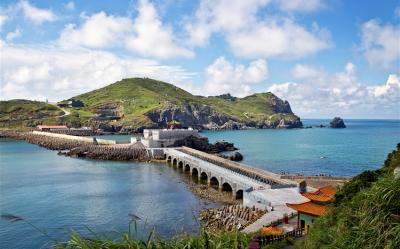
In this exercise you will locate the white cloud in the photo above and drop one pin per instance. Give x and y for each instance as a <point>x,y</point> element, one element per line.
<point>326,95</point>
<point>70,5</point>
<point>145,35</point>
<point>380,44</point>
<point>220,16</point>
<point>224,77</point>
<point>12,35</point>
<point>301,71</point>
<point>35,14</point>
<point>151,37</point>
<point>98,31</point>
<point>58,73</point>
<point>283,38</point>
<point>251,36</point>
<point>299,5</point>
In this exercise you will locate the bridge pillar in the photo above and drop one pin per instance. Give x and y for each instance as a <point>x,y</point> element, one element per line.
<point>234,188</point>
<point>220,185</point>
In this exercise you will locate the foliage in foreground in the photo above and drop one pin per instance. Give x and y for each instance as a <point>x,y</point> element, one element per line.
<point>366,213</point>
<point>223,240</point>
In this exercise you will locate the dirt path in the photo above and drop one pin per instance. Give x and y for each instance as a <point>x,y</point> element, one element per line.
<point>66,112</point>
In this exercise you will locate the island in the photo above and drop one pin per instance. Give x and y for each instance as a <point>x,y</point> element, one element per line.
<point>132,105</point>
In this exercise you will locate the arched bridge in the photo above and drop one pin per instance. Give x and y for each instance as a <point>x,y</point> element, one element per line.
<point>222,173</point>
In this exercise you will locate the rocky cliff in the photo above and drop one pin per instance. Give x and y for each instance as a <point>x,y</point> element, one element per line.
<point>130,105</point>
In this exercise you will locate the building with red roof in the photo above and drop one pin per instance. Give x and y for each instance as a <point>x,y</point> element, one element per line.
<point>314,207</point>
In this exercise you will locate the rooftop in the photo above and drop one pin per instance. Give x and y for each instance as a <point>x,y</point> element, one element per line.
<point>309,208</point>
<point>52,127</point>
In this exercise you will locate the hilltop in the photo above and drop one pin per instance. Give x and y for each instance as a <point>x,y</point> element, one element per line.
<point>132,104</point>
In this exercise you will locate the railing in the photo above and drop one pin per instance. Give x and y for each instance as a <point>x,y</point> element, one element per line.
<point>250,172</point>
<point>270,239</point>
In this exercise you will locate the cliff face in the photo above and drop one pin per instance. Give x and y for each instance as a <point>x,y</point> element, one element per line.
<point>130,105</point>
<point>204,117</point>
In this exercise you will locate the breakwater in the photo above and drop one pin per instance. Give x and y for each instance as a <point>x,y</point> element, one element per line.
<point>85,147</point>
<point>110,152</point>
<point>228,218</point>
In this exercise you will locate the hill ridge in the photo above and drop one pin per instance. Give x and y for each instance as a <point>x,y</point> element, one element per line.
<point>131,104</point>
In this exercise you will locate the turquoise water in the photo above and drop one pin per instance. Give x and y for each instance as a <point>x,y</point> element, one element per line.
<point>363,145</point>
<point>58,193</point>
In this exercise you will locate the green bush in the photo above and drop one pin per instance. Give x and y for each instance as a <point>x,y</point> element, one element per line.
<point>205,240</point>
<point>365,214</point>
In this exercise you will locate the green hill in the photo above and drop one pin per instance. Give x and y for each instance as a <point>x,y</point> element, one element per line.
<point>27,113</point>
<point>142,102</point>
<point>130,105</point>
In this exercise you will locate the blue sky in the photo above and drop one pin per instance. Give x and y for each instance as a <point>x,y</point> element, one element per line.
<point>327,58</point>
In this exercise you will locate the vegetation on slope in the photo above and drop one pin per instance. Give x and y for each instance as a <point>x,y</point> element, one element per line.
<point>27,113</point>
<point>365,214</point>
<point>223,240</point>
<point>141,102</point>
<point>136,97</point>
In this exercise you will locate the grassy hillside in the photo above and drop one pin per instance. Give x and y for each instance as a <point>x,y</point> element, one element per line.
<point>141,102</point>
<point>138,96</point>
<point>27,113</point>
<point>365,214</point>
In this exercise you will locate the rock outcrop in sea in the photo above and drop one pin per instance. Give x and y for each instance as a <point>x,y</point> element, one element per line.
<point>337,122</point>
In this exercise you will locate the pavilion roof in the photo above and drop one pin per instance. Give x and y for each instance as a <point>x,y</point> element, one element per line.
<point>327,190</point>
<point>324,194</point>
<point>317,197</point>
<point>309,208</point>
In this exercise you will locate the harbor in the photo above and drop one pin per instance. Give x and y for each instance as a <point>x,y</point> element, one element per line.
<point>245,187</point>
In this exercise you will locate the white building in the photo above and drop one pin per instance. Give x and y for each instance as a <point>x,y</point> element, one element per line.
<point>157,138</point>
<point>268,198</point>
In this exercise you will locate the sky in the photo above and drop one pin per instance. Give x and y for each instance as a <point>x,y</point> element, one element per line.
<point>326,57</point>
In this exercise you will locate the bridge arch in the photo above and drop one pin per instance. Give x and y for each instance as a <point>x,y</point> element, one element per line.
<point>239,194</point>
<point>226,187</point>
<point>203,177</point>
<point>180,165</point>
<point>174,162</point>
<point>169,158</point>
<point>195,172</point>
<point>187,168</point>
<point>214,183</point>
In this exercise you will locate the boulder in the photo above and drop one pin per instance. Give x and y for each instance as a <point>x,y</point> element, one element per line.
<point>337,123</point>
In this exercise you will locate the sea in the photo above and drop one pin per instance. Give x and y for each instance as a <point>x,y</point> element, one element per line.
<point>56,196</point>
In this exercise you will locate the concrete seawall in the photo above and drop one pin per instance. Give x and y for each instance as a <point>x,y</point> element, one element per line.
<point>70,137</point>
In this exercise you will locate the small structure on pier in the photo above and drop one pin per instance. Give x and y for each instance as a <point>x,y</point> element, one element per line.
<point>52,128</point>
<point>159,138</point>
<point>315,206</point>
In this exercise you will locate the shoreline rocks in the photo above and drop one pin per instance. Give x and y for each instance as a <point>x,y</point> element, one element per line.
<point>229,218</point>
<point>202,144</point>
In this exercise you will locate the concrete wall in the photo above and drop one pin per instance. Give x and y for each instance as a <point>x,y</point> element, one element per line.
<point>250,200</point>
<point>83,139</point>
<point>165,138</point>
<point>174,134</point>
<point>235,180</point>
